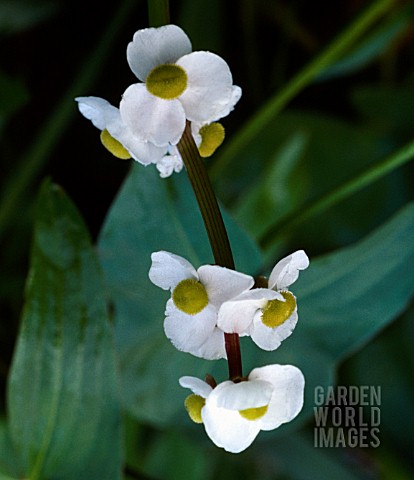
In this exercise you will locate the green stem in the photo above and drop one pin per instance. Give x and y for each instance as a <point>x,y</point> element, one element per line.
<point>35,159</point>
<point>158,12</point>
<point>276,103</point>
<point>216,230</point>
<point>368,176</point>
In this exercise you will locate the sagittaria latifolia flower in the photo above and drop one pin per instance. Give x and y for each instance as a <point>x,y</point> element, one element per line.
<point>234,413</point>
<point>115,135</point>
<point>177,85</point>
<point>268,315</point>
<point>196,296</point>
<point>122,143</point>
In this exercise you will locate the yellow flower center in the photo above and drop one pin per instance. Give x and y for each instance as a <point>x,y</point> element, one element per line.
<point>212,137</point>
<point>115,147</point>
<point>167,81</point>
<point>190,296</point>
<point>276,312</point>
<point>193,404</point>
<point>253,413</point>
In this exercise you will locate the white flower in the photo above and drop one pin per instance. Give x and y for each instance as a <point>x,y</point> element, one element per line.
<point>234,413</point>
<point>191,312</point>
<point>178,85</point>
<point>268,315</point>
<point>116,136</point>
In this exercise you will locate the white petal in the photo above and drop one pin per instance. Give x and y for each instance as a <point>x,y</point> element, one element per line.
<point>99,111</point>
<point>188,332</point>
<point>227,428</point>
<point>250,394</point>
<point>105,116</point>
<point>287,398</point>
<point>169,164</point>
<point>152,119</point>
<point>144,152</point>
<point>197,386</point>
<point>222,283</point>
<point>213,348</point>
<point>235,97</point>
<point>209,87</point>
<point>286,271</point>
<point>270,338</point>
<point>167,270</point>
<point>151,47</point>
<point>236,316</point>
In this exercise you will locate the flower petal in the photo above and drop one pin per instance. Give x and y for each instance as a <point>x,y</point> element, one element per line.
<point>227,428</point>
<point>223,283</point>
<point>236,94</point>
<point>151,47</point>
<point>188,332</point>
<point>213,348</point>
<point>152,119</point>
<point>167,270</point>
<point>105,116</point>
<point>243,395</point>
<point>287,398</point>
<point>197,386</point>
<point>286,271</point>
<point>98,110</point>
<point>236,315</point>
<point>169,164</point>
<point>270,338</point>
<point>209,89</point>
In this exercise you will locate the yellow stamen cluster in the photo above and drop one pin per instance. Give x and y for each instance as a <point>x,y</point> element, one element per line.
<point>212,136</point>
<point>193,404</point>
<point>276,312</point>
<point>167,81</point>
<point>115,147</point>
<point>190,296</point>
<point>253,413</point>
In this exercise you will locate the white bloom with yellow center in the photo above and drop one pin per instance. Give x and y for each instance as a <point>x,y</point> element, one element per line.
<point>115,135</point>
<point>234,413</point>
<point>177,85</point>
<point>196,296</point>
<point>268,315</point>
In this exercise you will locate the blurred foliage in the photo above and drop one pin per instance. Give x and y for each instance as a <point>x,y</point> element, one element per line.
<point>355,112</point>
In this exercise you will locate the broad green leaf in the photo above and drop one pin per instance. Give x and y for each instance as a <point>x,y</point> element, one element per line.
<point>152,214</point>
<point>9,469</point>
<point>277,191</point>
<point>296,456</point>
<point>388,361</point>
<point>344,299</point>
<point>336,152</point>
<point>64,413</point>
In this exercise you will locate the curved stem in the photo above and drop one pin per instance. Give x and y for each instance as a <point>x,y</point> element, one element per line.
<point>216,230</point>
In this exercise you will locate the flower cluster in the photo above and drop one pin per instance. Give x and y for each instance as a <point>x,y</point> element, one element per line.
<point>176,86</point>
<point>211,301</point>
<point>209,307</point>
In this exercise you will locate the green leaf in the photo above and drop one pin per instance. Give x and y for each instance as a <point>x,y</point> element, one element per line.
<point>152,214</point>
<point>9,467</point>
<point>388,361</point>
<point>283,456</point>
<point>344,300</point>
<point>371,47</point>
<point>279,189</point>
<point>63,394</point>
